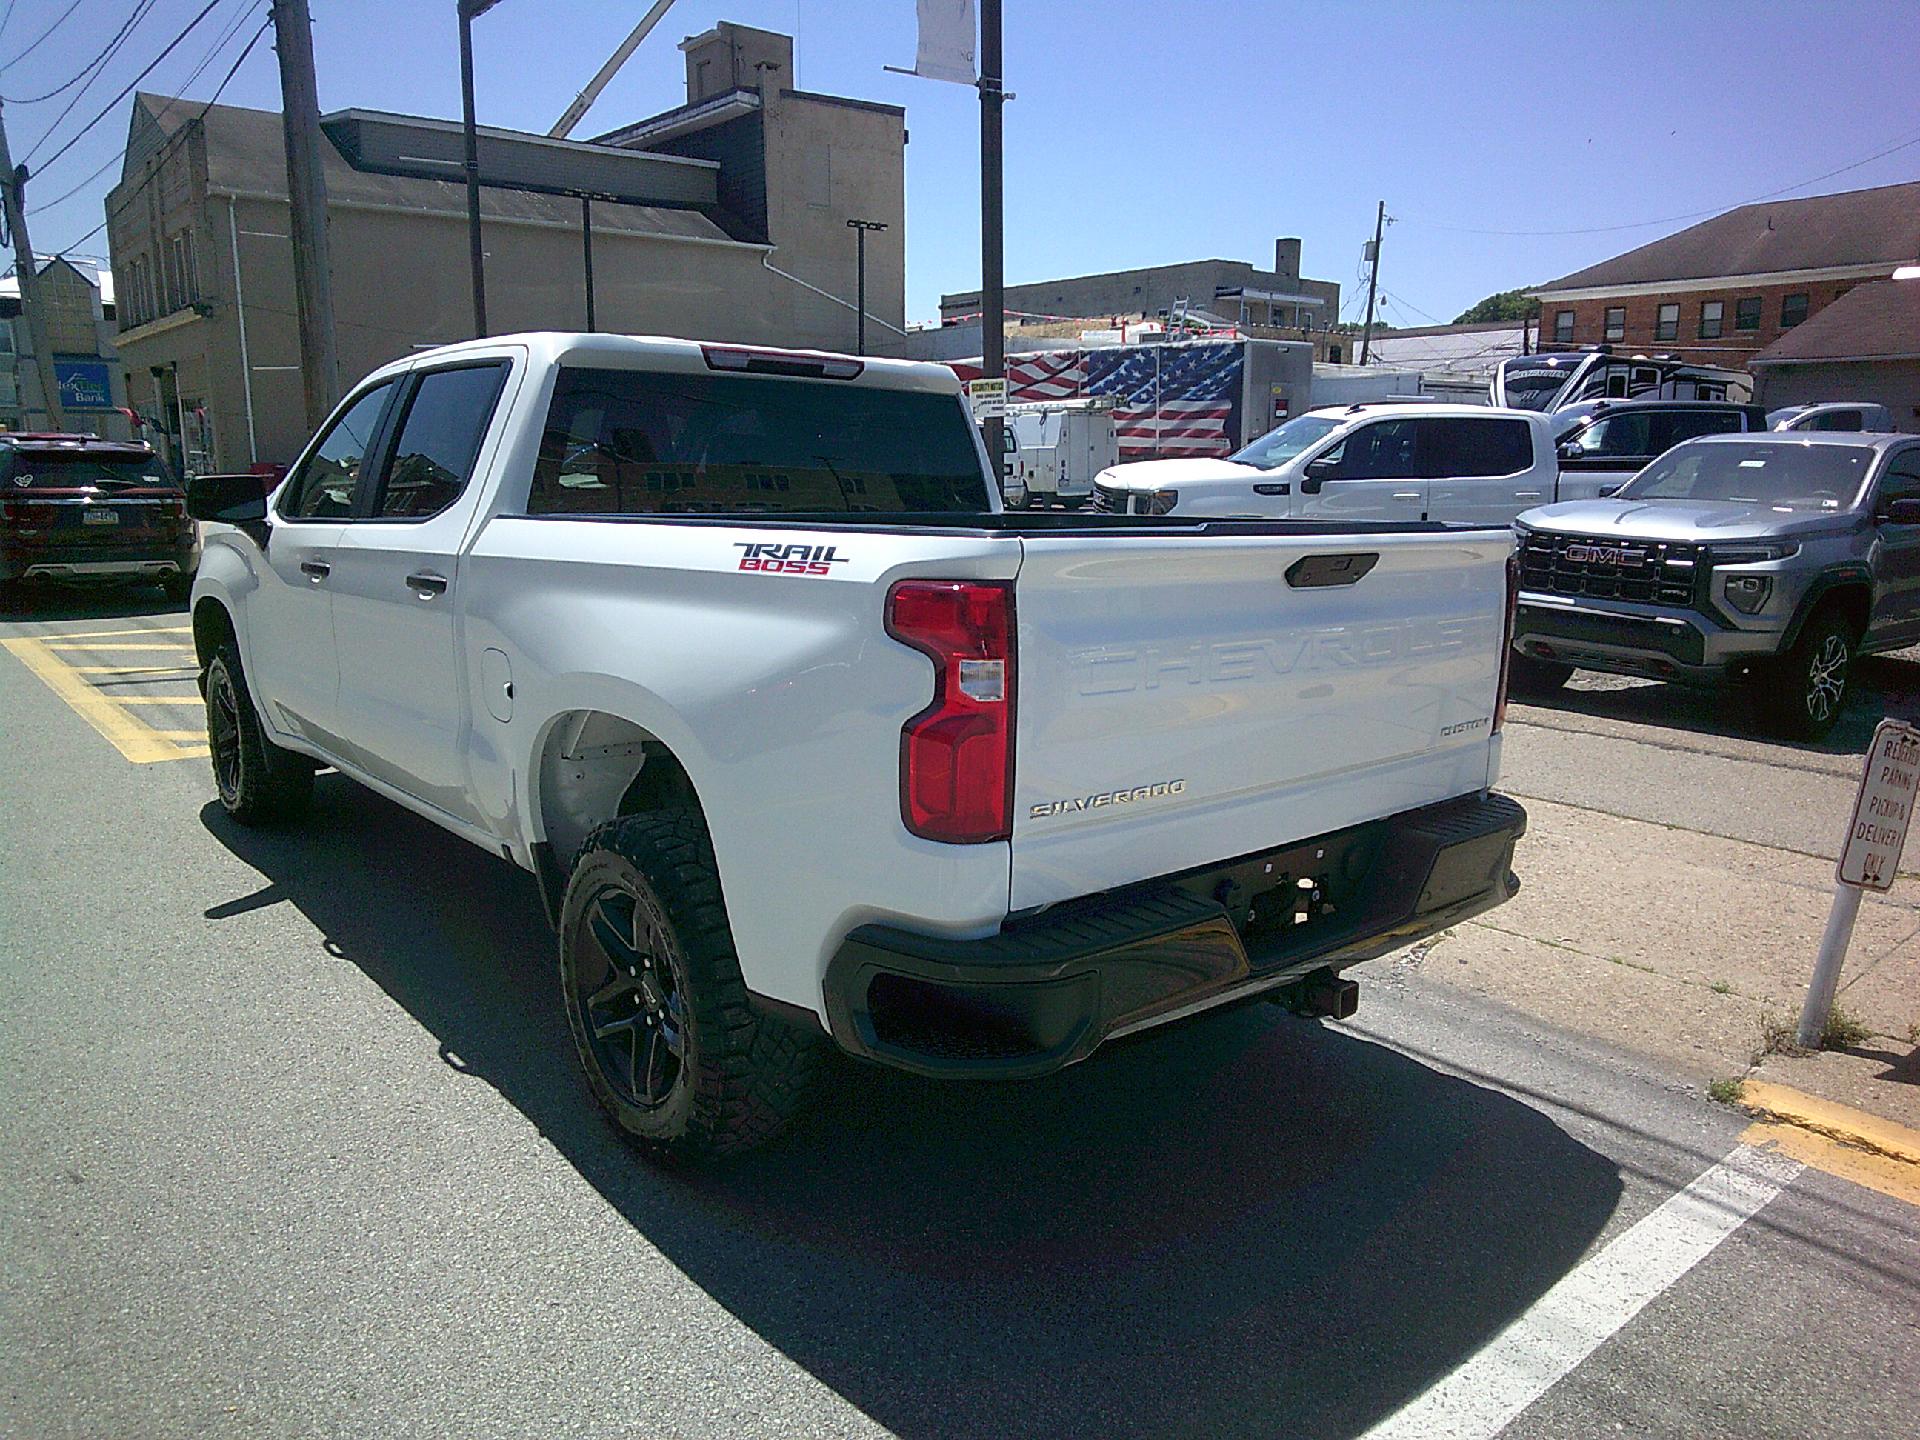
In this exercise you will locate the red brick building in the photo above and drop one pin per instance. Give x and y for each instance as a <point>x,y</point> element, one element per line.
<point>1721,291</point>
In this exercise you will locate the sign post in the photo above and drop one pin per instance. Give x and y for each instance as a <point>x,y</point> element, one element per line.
<point>1869,860</point>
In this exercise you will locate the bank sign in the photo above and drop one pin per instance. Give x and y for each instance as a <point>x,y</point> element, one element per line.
<point>84,384</point>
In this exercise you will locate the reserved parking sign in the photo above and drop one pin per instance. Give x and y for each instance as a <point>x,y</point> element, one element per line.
<point>1884,810</point>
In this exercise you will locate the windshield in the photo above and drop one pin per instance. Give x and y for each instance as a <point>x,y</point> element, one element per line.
<point>75,469</point>
<point>1787,477</point>
<point>1534,390</point>
<point>1276,447</point>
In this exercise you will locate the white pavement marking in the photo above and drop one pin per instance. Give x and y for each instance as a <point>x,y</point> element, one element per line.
<point>1591,1302</point>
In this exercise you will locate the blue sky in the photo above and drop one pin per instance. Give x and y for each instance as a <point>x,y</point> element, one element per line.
<point>1146,133</point>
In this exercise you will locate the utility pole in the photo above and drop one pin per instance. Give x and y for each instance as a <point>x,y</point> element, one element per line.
<point>13,183</point>
<point>993,295</point>
<point>1373,281</point>
<point>476,257</point>
<point>860,229</point>
<point>307,207</point>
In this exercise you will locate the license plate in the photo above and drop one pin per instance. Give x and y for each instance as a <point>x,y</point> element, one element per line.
<point>99,517</point>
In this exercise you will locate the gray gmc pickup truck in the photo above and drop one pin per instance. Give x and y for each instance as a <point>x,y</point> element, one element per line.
<point>1770,559</point>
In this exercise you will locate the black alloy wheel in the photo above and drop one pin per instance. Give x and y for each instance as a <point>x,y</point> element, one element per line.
<point>223,734</point>
<point>630,998</point>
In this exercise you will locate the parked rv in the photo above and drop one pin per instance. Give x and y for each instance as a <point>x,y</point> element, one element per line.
<point>1555,380</point>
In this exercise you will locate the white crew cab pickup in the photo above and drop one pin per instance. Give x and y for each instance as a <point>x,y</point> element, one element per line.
<point>805,739</point>
<point>1379,460</point>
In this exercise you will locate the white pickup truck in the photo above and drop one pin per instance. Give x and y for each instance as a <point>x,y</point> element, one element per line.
<point>804,738</point>
<point>1403,459</point>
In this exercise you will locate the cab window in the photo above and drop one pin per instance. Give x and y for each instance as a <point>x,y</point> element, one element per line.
<point>1461,447</point>
<point>1384,450</point>
<point>322,488</point>
<point>440,432</point>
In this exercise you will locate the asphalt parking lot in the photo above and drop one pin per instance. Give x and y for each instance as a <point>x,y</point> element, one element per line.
<point>297,1148</point>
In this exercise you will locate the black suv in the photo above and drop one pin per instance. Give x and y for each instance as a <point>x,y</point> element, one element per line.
<point>1608,442</point>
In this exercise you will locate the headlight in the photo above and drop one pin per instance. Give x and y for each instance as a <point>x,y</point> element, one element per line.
<point>1748,593</point>
<point>1753,553</point>
<point>1160,502</point>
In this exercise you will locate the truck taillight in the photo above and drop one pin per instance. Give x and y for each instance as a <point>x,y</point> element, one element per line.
<point>1506,639</point>
<point>956,756</point>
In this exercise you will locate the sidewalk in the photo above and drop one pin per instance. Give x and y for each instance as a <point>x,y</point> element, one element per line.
<point>1695,950</point>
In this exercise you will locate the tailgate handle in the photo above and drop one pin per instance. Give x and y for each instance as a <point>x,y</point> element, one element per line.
<point>1316,572</point>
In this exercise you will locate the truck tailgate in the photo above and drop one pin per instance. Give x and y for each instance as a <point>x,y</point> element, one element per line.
<point>1187,699</point>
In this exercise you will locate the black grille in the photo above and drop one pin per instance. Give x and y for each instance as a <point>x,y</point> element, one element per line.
<point>1110,501</point>
<point>1653,572</point>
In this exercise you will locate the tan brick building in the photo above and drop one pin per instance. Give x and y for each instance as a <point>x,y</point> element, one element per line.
<point>1719,292</point>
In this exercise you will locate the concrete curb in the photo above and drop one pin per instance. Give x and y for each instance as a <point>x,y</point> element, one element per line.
<point>1842,1123</point>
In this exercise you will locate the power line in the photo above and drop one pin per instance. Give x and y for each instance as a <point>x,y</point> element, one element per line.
<point>181,134</point>
<point>35,45</point>
<point>172,45</point>
<point>119,156</point>
<point>1905,144</point>
<point>88,72</point>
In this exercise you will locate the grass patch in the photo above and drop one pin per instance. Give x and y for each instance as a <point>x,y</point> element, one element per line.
<point>1843,1030</point>
<point>1776,1036</point>
<point>1724,1092</point>
<point>1721,987</point>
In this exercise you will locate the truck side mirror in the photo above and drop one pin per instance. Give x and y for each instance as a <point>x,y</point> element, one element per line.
<point>1318,472</point>
<point>1900,512</point>
<point>228,499</point>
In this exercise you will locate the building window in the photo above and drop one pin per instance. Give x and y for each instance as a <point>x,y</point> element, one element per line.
<point>1666,325</point>
<point>1746,313</point>
<point>1793,309</point>
<point>1712,316</point>
<point>1563,327</point>
<point>183,281</point>
<point>1616,322</point>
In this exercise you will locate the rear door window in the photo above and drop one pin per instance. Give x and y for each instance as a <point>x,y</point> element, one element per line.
<point>1670,427</point>
<point>1837,420</point>
<point>323,487</point>
<point>1622,436</point>
<point>630,442</point>
<point>1463,447</point>
<point>440,432</point>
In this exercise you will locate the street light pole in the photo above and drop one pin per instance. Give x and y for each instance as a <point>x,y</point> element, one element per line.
<point>12,187</point>
<point>860,229</point>
<point>993,296</point>
<point>476,257</point>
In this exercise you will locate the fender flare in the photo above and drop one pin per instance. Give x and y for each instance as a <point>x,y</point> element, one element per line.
<point>1841,577</point>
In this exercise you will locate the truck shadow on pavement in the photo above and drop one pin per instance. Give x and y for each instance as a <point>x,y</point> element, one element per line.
<point>1883,685</point>
<point>1251,1225</point>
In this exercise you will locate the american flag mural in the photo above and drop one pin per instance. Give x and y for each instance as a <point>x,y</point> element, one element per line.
<point>1170,401</point>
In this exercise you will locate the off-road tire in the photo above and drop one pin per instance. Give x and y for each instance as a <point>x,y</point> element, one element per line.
<point>1803,694</point>
<point>1530,676</point>
<point>259,783</point>
<point>741,1074</point>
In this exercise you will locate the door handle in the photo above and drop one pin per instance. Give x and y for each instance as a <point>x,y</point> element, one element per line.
<point>426,586</point>
<point>315,570</point>
<point>1526,494</point>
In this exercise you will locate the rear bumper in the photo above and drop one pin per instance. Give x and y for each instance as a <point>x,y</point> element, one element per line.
<point>1050,988</point>
<point>96,562</point>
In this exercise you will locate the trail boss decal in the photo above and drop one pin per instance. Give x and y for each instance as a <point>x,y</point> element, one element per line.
<point>1105,797</point>
<point>772,558</point>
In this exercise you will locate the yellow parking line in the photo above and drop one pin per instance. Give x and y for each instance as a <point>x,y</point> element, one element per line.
<point>179,647</point>
<point>126,732</point>
<point>156,671</point>
<point>111,634</point>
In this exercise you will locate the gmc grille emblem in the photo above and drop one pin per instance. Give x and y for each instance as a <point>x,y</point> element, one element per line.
<point>1604,555</point>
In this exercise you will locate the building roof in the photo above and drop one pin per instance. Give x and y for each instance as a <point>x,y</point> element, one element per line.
<point>1855,227</point>
<point>95,272</point>
<point>1878,321</point>
<point>246,153</point>
<point>1468,349</point>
